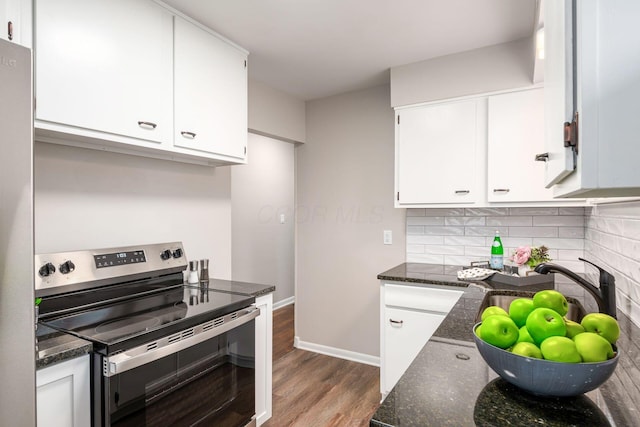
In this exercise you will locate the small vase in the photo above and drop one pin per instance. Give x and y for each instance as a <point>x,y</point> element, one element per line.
<point>525,270</point>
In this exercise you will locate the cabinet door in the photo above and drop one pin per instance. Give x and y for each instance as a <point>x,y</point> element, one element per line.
<point>406,332</point>
<point>105,65</point>
<point>515,136</point>
<point>436,154</point>
<point>63,394</point>
<point>15,21</point>
<point>210,92</point>
<point>558,83</point>
<point>264,358</point>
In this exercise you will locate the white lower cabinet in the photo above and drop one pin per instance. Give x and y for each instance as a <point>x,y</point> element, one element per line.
<point>409,317</point>
<point>264,357</point>
<point>63,394</point>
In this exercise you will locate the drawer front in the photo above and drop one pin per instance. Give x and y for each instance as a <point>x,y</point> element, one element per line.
<point>419,298</point>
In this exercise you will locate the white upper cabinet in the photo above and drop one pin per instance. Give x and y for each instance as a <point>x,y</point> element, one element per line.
<point>136,77</point>
<point>437,154</point>
<point>15,21</point>
<point>558,84</point>
<point>515,137</point>
<point>210,92</point>
<point>105,65</point>
<point>607,88</point>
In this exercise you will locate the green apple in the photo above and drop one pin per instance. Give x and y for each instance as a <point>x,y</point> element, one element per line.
<point>543,323</point>
<point>493,310</point>
<point>499,330</point>
<point>593,347</point>
<point>560,349</point>
<point>525,336</point>
<point>527,349</point>
<point>573,328</point>
<point>519,309</point>
<point>602,324</point>
<point>477,331</point>
<point>551,299</point>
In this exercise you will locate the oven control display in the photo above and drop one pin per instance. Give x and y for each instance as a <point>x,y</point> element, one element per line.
<point>119,258</point>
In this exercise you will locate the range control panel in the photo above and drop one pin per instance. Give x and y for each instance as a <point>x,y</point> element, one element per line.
<point>99,267</point>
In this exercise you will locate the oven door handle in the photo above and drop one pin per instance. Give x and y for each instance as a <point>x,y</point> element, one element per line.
<point>141,355</point>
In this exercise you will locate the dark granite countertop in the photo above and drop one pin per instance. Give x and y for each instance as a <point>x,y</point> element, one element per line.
<point>449,384</point>
<point>55,347</point>
<point>242,288</point>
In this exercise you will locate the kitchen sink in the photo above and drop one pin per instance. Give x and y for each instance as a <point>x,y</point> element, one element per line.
<point>502,298</point>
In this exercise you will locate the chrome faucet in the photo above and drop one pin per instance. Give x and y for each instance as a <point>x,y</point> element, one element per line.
<point>605,296</point>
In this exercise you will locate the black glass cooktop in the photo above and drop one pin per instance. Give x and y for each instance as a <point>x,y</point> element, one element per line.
<point>126,324</point>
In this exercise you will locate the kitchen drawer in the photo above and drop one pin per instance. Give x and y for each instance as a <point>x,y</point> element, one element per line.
<point>421,298</point>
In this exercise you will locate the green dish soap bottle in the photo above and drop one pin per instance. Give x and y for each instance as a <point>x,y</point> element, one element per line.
<point>497,253</point>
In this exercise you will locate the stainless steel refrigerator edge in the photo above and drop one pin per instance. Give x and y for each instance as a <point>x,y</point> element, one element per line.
<point>17,334</point>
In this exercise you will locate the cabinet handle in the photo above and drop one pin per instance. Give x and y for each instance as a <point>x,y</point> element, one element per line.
<point>10,30</point>
<point>188,135</point>
<point>462,191</point>
<point>396,322</point>
<point>147,125</point>
<point>501,190</point>
<point>543,157</point>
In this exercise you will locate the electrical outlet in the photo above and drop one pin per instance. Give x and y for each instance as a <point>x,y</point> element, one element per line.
<point>387,237</point>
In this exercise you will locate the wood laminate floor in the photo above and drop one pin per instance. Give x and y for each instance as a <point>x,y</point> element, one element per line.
<point>314,390</point>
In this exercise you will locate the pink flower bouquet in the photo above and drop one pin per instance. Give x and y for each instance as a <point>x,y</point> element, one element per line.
<point>530,256</point>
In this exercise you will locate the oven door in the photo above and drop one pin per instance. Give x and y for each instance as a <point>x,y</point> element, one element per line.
<point>202,376</point>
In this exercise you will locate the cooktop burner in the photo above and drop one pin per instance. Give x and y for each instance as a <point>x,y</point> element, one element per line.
<point>126,324</point>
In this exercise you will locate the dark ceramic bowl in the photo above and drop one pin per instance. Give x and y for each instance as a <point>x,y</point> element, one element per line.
<point>544,377</point>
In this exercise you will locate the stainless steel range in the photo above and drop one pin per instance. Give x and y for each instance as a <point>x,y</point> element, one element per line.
<point>164,354</point>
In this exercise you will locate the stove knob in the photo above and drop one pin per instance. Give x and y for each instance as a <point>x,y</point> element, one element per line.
<point>47,269</point>
<point>67,267</point>
<point>166,254</point>
<point>177,253</point>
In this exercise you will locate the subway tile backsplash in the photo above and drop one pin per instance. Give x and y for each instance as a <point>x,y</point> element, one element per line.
<point>459,236</point>
<point>608,235</point>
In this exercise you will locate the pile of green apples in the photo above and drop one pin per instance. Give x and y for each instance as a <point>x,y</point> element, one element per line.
<point>536,328</point>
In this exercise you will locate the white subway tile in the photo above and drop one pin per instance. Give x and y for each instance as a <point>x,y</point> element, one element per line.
<point>415,249</point>
<point>415,229</point>
<point>514,242</point>
<point>571,211</point>
<point>485,231</point>
<point>486,211</point>
<point>618,210</point>
<point>465,241</point>
<point>443,250</point>
<point>444,212</point>
<point>631,229</point>
<point>559,221</point>
<point>479,251</point>
<point>462,261</point>
<point>443,231</point>
<point>415,212</point>
<point>426,258</point>
<point>571,232</point>
<point>533,211</point>
<point>559,243</point>
<point>425,220</point>
<point>465,220</point>
<point>533,231</point>
<point>425,240</point>
<point>510,221</point>
<point>569,254</point>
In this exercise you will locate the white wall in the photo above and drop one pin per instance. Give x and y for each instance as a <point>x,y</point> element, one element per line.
<point>275,113</point>
<point>344,202</point>
<point>262,191</point>
<point>91,199</point>
<point>488,69</point>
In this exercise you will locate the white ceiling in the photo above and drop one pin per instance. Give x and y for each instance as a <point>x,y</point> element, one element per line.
<point>316,48</point>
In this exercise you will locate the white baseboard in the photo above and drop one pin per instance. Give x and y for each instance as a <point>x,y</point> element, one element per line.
<point>337,352</point>
<point>284,302</point>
